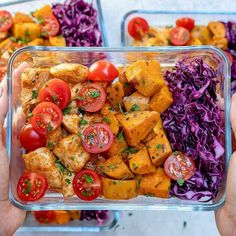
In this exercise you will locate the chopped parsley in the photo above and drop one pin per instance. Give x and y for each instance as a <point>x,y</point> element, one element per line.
<point>60,166</point>
<point>27,190</point>
<point>131,150</point>
<point>120,136</point>
<point>134,166</point>
<point>158,146</point>
<point>80,98</point>
<point>88,179</point>
<point>83,122</point>
<point>34,94</point>
<point>30,115</point>
<point>44,34</point>
<point>27,33</point>
<point>66,110</point>
<point>180,181</point>
<point>13,39</point>
<point>126,84</point>
<point>68,181</point>
<point>54,98</point>
<point>49,127</point>
<point>81,135</point>
<point>135,107</point>
<point>176,153</point>
<point>50,145</point>
<point>90,138</point>
<point>120,108</point>
<point>107,120</point>
<point>111,109</point>
<point>94,94</point>
<point>40,19</point>
<point>112,166</point>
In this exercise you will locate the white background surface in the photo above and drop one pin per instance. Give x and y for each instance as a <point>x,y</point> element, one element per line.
<point>150,223</point>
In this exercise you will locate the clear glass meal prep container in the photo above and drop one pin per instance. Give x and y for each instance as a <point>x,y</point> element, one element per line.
<point>168,56</point>
<point>167,18</point>
<point>31,225</point>
<point>27,6</point>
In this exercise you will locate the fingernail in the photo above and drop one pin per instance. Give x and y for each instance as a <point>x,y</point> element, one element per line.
<point>1,90</point>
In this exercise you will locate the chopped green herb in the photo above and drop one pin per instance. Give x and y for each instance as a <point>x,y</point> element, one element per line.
<point>176,153</point>
<point>80,98</point>
<point>54,98</point>
<point>49,127</point>
<point>111,109</point>
<point>44,34</point>
<point>130,150</point>
<point>27,190</point>
<point>79,145</point>
<point>120,136</point>
<point>85,193</point>
<point>126,84</point>
<point>68,181</point>
<point>112,166</point>
<point>134,166</point>
<point>30,115</point>
<point>114,182</point>
<point>60,166</point>
<point>83,122</point>
<point>158,146</point>
<point>40,19</point>
<point>88,179</point>
<point>135,107</point>
<point>180,181</point>
<point>66,110</point>
<point>81,135</point>
<point>50,145</point>
<point>94,94</point>
<point>13,39</point>
<point>120,108</point>
<point>90,138</point>
<point>27,33</point>
<point>72,158</point>
<point>107,120</point>
<point>34,94</point>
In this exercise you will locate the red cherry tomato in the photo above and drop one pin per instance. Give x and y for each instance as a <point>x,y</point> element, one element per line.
<point>49,26</point>
<point>56,91</point>
<point>31,186</point>
<point>179,166</point>
<point>186,22</point>
<point>46,117</point>
<point>45,217</point>
<point>230,57</point>
<point>137,27</point>
<point>30,139</point>
<point>97,138</point>
<point>6,20</point>
<point>102,71</point>
<point>91,97</point>
<point>87,185</point>
<point>179,36</point>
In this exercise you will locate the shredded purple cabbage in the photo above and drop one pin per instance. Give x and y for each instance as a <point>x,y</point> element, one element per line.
<point>78,21</point>
<point>193,125</point>
<point>100,216</point>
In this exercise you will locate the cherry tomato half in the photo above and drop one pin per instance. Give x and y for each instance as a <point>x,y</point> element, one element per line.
<point>87,185</point>
<point>45,217</point>
<point>46,117</point>
<point>97,138</point>
<point>91,97</point>
<point>31,186</point>
<point>102,71</point>
<point>56,91</point>
<point>179,166</point>
<point>137,27</point>
<point>49,26</point>
<point>6,20</point>
<point>179,36</point>
<point>230,57</point>
<point>186,22</point>
<point>30,139</point>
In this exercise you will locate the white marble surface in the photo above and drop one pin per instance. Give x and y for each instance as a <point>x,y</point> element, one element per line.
<point>150,223</point>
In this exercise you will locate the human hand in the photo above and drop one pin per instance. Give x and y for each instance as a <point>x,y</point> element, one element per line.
<point>226,216</point>
<point>11,218</point>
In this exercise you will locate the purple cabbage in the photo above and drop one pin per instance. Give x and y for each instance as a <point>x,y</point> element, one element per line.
<point>99,216</point>
<point>78,23</point>
<point>193,124</point>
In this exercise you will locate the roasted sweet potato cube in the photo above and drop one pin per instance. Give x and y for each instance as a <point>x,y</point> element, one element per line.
<point>156,184</point>
<point>118,146</point>
<point>111,120</point>
<point>116,168</point>
<point>158,128</point>
<point>140,163</point>
<point>28,31</point>
<point>137,125</point>
<point>159,149</point>
<point>162,100</point>
<point>22,18</point>
<point>58,41</point>
<point>136,101</point>
<point>146,76</point>
<point>217,28</point>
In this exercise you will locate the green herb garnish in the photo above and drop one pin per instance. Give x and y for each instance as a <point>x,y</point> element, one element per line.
<point>158,146</point>
<point>49,127</point>
<point>107,120</point>
<point>68,181</point>
<point>88,179</point>
<point>34,94</point>
<point>134,166</point>
<point>180,182</point>
<point>80,98</point>
<point>50,145</point>
<point>130,150</point>
<point>90,138</point>
<point>112,166</point>
<point>30,115</point>
<point>94,94</point>
<point>54,98</point>
<point>40,19</point>
<point>60,166</point>
<point>27,190</point>
<point>176,153</point>
<point>27,33</point>
<point>83,122</point>
<point>126,84</point>
<point>135,107</point>
<point>111,109</point>
<point>66,110</point>
<point>120,108</point>
<point>120,136</point>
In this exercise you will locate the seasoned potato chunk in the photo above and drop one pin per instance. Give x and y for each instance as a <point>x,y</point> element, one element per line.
<point>119,189</point>
<point>44,11</point>
<point>158,128</point>
<point>151,135</point>
<point>26,30</point>
<point>162,100</point>
<point>36,42</point>
<point>140,163</point>
<point>58,41</point>
<point>70,72</point>
<point>67,184</point>
<point>71,153</point>
<point>22,18</point>
<point>62,217</point>
<point>136,101</point>
<point>118,146</point>
<point>54,137</point>
<point>137,125</point>
<point>115,94</point>
<point>217,28</point>
<point>202,33</point>
<point>107,109</point>
<point>156,184</point>
<point>112,122</point>
<point>195,42</point>
<point>220,42</point>
<point>145,76</point>
<point>71,123</point>
<point>159,149</point>
<point>43,161</point>
<point>116,168</point>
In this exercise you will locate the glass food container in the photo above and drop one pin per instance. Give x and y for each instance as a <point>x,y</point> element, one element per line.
<point>31,225</point>
<point>168,56</point>
<point>27,6</point>
<point>168,18</point>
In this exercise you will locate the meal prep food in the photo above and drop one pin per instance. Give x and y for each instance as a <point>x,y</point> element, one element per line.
<point>73,23</point>
<point>64,217</point>
<point>119,131</point>
<point>186,32</point>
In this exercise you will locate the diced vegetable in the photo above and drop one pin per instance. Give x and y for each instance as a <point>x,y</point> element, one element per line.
<point>220,42</point>
<point>138,100</point>
<point>137,125</point>
<point>162,100</point>
<point>159,149</point>
<point>71,123</point>
<point>62,217</point>
<point>194,42</point>
<point>58,41</point>
<point>217,28</point>
<point>119,189</point>
<point>156,184</point>
<point>116,168</point>
<point>118,146</point>
<point>112,122</point>
<point>140,163</point>
<point>42,12</point>
<point>26,31</point>
<point>145,76</point>
<point>36,42</point>
<point>22,18</point>
<point>202,33</point>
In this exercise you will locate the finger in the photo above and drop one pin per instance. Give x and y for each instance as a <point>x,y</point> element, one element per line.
<point>233,114</point>
<point>3,102</point>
